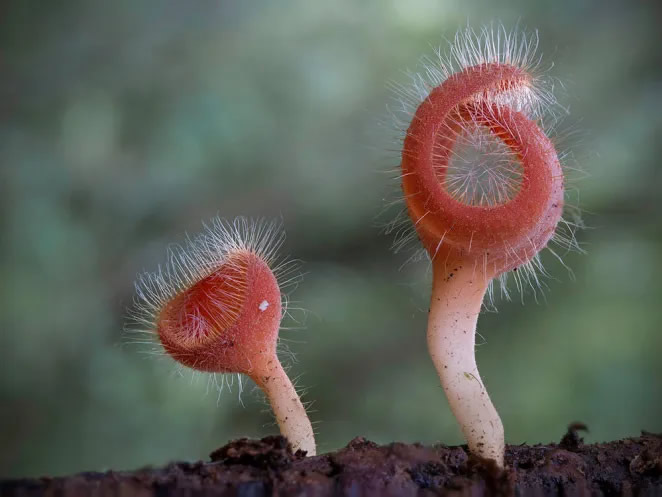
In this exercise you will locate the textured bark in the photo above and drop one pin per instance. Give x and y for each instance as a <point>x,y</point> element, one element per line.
<point>267,467</point>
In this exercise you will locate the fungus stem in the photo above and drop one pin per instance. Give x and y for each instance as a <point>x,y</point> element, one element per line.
<point>287,407</point>
<point>457,296</point>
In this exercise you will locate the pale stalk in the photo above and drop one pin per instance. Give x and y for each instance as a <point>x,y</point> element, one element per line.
<point>455,304</point>
<point>287,407</point>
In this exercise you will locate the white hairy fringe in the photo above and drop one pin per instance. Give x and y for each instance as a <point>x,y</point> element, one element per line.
<point>535,98</point>
<point>198,258</point>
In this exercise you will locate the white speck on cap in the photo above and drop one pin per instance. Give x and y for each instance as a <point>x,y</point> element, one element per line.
<point>263,305</point>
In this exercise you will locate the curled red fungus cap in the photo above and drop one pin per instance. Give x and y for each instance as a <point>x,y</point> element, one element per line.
<point>482,181</point>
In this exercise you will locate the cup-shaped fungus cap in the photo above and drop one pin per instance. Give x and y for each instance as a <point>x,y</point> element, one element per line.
<point>507,220</point>
<point>216,307</point>
<point>228,321</point>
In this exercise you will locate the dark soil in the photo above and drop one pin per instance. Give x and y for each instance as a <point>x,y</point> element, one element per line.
<point>267,467</point>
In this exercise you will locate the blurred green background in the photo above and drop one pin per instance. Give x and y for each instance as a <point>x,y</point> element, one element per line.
<point>125,124</point>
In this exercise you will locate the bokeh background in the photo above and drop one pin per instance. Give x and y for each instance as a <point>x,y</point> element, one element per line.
<point>125,124</point>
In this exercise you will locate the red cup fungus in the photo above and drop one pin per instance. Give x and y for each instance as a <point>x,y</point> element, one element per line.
<point>484,189</point>
<point>217,308</point>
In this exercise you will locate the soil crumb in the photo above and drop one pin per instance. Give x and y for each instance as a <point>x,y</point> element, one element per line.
<point>268,467</point>
<point>571,440</point>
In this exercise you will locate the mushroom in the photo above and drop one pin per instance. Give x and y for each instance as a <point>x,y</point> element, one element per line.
<point>484,188</point>
<point>217,308</point>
